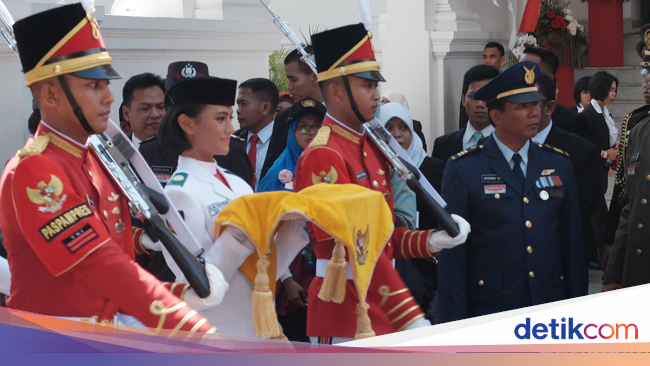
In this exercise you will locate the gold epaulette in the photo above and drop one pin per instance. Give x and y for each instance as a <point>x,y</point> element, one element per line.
<point>466,152</point>
<point>37,147</point>
<point>554,149</point>
<point>621,169</point>
<point>321,138</point>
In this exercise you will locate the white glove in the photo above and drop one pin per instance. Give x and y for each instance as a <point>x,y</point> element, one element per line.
<point>150,245</point>
<point>218,288</point>
<point>420,323</point>
<point>441,240</point>
<point>5,276</point>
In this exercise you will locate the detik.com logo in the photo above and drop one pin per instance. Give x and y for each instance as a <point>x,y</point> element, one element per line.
<point>569,330</point>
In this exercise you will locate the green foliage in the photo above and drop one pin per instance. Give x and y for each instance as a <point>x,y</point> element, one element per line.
<point>276,69</point>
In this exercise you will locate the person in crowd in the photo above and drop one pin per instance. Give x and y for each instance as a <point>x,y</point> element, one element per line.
<point>581,94</point>
<point>602,129</point>
<point>305,119</point>
<point>66,227</point>
<point>563,117</point>
<point>143,106</point>
<point>392,96</point>
<point>197,127</point>
<point>419,274</point>
<point>625,266</point>
<point>478,126</point>
<point>494,55</point>
<point>341,153</point>
<point>285,101</point>
<point>583,154</point>
<point>520,199</point>
<point>125,126</point>
<point>256,104</point>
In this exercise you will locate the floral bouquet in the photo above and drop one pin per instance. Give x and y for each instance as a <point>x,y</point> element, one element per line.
<point>523,41</point>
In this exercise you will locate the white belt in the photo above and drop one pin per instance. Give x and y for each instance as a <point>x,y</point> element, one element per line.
<point>321,268</point>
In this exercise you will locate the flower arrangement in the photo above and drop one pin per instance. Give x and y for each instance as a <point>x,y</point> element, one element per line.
<point>558,31</point>
<point>523,41</point>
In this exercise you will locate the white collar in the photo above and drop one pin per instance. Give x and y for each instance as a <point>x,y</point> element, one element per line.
<point>542,135</point>
<point>136,141</point>
<point>508,153</point>
<point>265,133</point>
<point>470,131</point>
<point>596,106</point>
<point>64,136</point>
<point>346,127</point>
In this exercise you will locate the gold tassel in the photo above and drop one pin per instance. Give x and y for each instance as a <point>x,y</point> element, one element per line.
<point>336,276</point>
<point>364,327</point>
<point>265,318</point>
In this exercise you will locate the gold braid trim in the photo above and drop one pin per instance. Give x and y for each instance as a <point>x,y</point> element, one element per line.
<point>198,325</point>
<point>621,169</point>
<point>384,291</point>
<point>63,145</point>
<point>399,305</point>
<point>35,148</point>
<point>158,308</point>
<point>321,138</point>
<point>348,135</point>
<point>407,312</point>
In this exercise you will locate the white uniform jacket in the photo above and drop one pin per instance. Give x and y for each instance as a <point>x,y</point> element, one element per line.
<point>200,197</point>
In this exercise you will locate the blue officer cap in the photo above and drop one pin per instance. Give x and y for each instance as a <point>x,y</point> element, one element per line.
<point>515,85</point>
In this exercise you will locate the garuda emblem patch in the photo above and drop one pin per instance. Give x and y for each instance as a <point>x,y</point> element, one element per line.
<point>48,194</point>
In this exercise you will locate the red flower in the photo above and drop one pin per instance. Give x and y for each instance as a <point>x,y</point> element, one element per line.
<point>550,14</point>
<point>563,25</point>
<point>555,24</point>
<point>559,18</point>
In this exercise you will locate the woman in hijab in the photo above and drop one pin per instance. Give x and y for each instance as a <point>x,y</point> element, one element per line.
<point>305,119</point>
<point>419,275</point>
<point>392,96</point>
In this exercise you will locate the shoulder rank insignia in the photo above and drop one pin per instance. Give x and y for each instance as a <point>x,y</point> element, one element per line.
<point>321,138</point>
<point>36,147</point>
<point>178,179</point>
<point>468,151</point>
<point>323,177</point>
<point>48,194</point>
<point>554,149</point>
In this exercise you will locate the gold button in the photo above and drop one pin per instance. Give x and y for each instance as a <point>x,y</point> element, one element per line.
<point>644,202</point>
<point>562,278</point>
<point>529,249</point>
<point>639,252</point>
<point>640,226</point>
<point>497,196</point>
<point>481,283</point>
<point>529,224</point>
<point>526,200</point>
<point>90,173</point>
<point>365,155</point>
<point>375,184</point>
<point>105,214</point>
<point>119,227</point>
<point>116,210</point>
<point>647,178</point>
<point>531,274</point>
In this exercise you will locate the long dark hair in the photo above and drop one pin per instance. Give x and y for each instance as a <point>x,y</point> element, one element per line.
<point>170,134</point>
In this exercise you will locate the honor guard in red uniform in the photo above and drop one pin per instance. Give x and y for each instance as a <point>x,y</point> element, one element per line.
<point>66,226</point>
<point>341,153</point>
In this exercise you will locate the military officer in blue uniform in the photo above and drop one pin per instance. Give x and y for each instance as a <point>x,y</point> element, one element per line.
<point>520,198</point>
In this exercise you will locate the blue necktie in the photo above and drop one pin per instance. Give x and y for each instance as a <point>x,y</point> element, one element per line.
<point>519,174</point>
<point>477,136</point>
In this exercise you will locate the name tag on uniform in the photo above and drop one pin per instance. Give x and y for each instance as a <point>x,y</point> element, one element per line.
<point>163,173</point>
<point>494,188</point>
<point>215,208</point>
<point>490,178</point>
<point>634,157</point>
<point>630,170</point>
<point>362,175</point>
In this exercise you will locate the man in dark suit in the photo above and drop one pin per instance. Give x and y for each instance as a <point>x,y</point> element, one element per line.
<point>256,105</point>
<point>583,154</point>
<point>563,117</point>
<point>520,199</point>
<point>479,125</point>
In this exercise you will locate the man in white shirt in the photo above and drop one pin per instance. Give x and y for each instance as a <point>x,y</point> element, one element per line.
<point>143,105</point>
<point>256,105</point>
<point>479,125</point>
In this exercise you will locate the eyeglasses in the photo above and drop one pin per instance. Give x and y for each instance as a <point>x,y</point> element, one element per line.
<point>304,129</point>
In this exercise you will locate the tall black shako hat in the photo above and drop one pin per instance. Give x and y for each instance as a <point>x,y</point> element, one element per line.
<point>346,51</point>
<point>516,85</point>
<point>184,70</point>
<point>63,40</point>
<point>343,51</point>
<point>305,107</point>
<point>643,47</point>
<point>202,90</point>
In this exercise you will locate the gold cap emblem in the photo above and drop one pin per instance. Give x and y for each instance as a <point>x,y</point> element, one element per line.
<point>308,103</point>
<point>530,75</point>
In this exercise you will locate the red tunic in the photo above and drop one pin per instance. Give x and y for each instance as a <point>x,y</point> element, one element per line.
<point>70,244</point>
<point>339,155</point>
